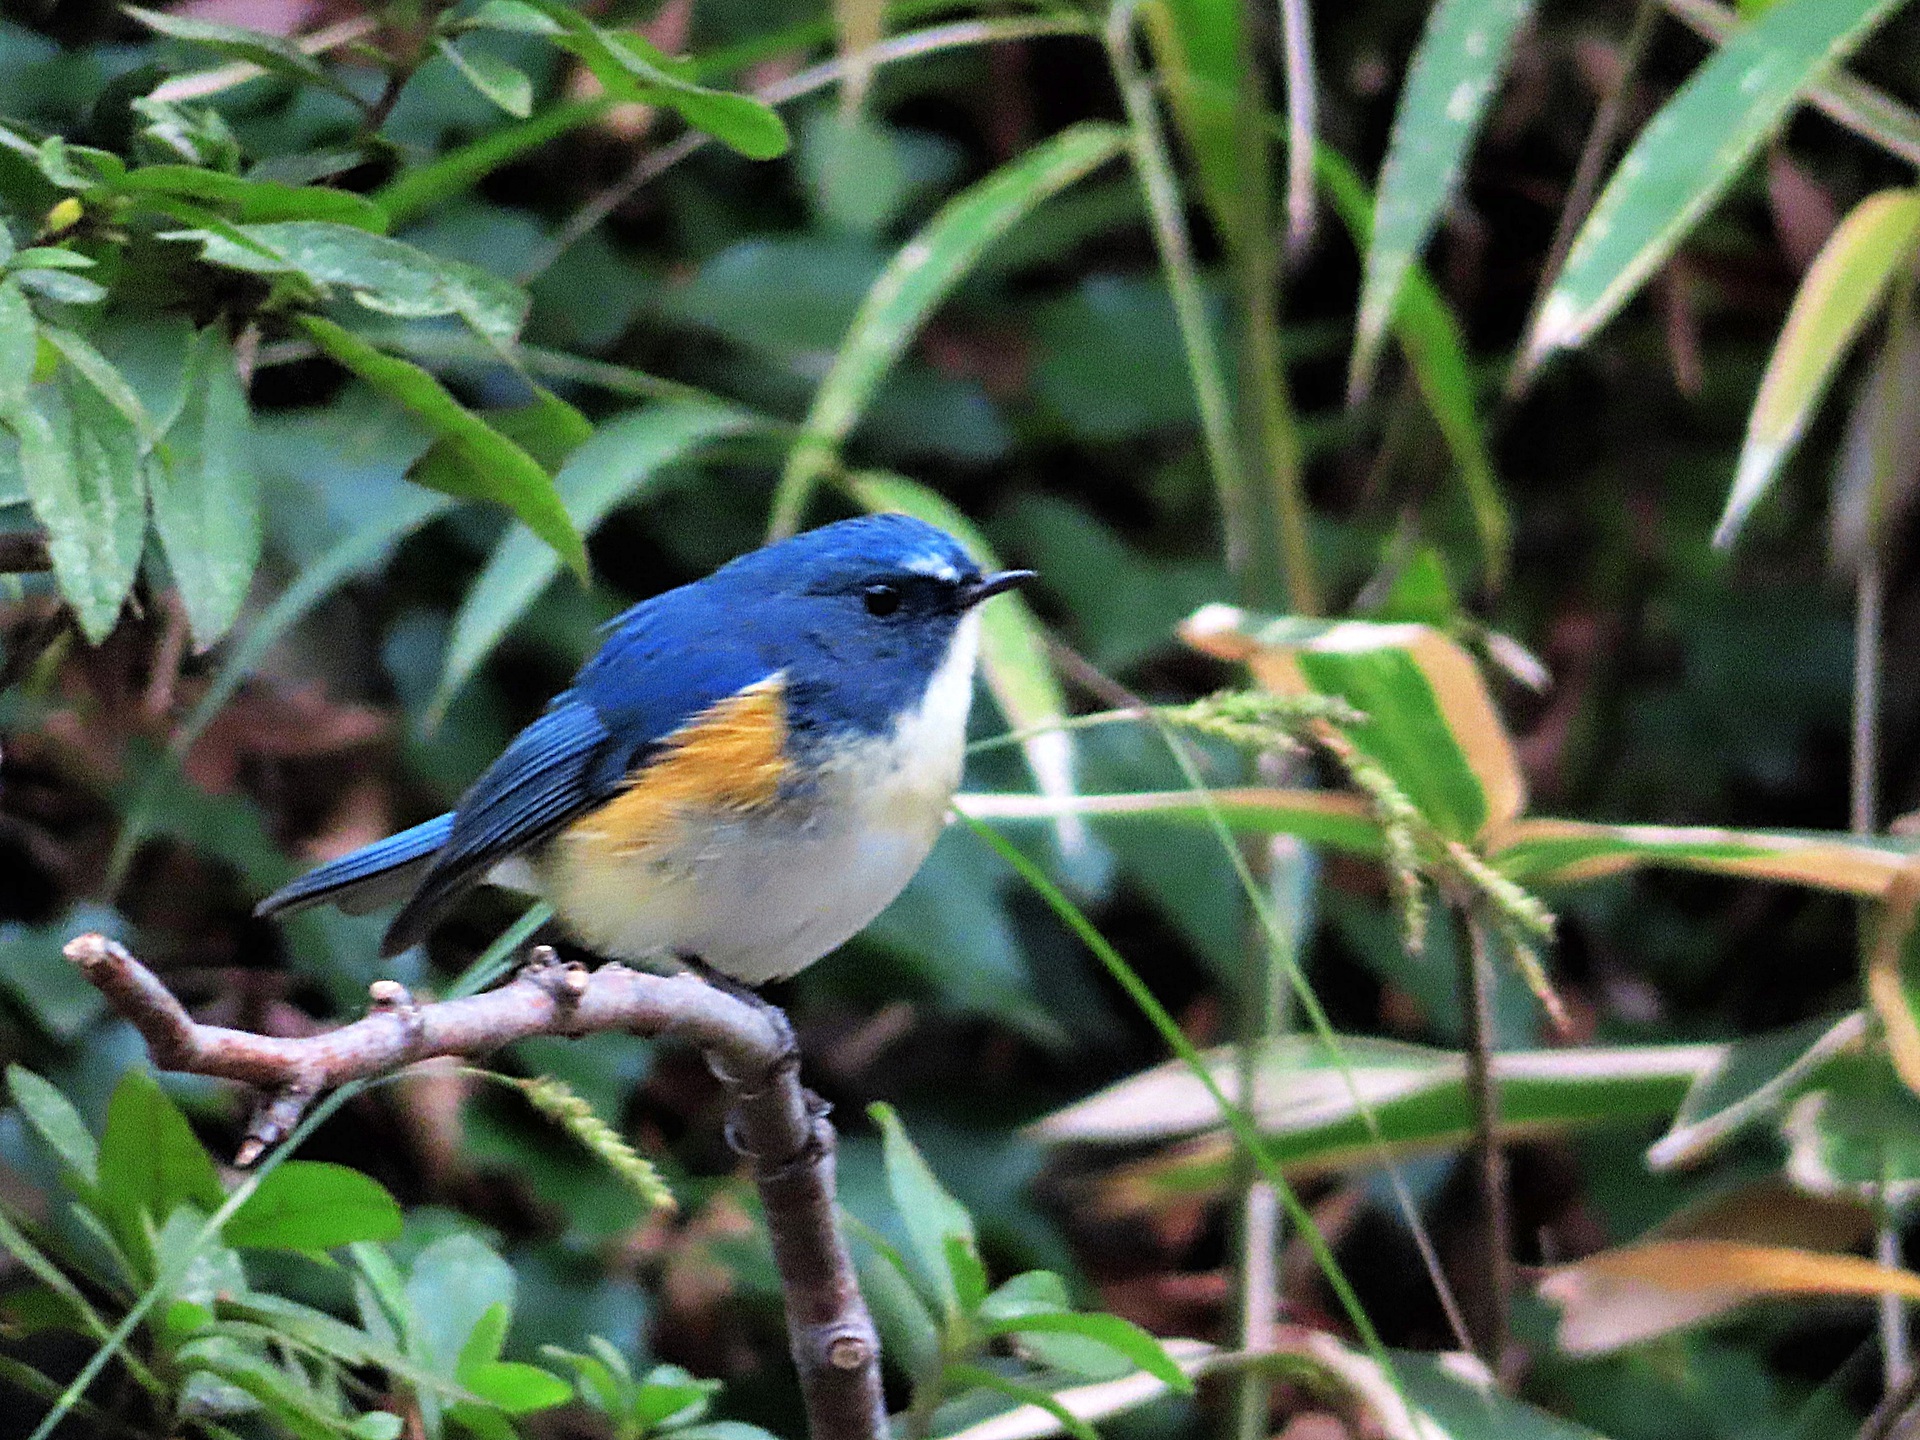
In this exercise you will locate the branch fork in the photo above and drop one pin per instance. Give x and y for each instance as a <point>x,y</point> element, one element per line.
<point>778,1127</point>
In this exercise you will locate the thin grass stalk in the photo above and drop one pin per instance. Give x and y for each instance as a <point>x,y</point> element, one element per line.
<point>1303,120</point>
<point>1276,454</point>
<point>1490,1163</point>
<point>1153,163</point>
<point>1295,978</point>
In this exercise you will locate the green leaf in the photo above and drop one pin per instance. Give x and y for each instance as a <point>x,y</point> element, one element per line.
<point>1840,292</point>
<point>19,346</point>
<point>916,280</point>
<point>631,69</point>
<point>1013,651</point>
<point>480,462</point>
<point>311,1205</point>
<point>151,1162</point>
<point>382,274</point>
<point>206,493</point>
<point>377,1425</point>
<point>1034,1292</point>
<point>257,201</point>
<point>1754,1081</point>
<point>55,1121</point>
<point>61,285</point>
<point>272,53</point>
<point>1689,154</point>
<point>106,381</point>
<point>1082,1403</point>
<point>927,1212</point>
<point>415,191</point>
<point>1123,1337</point>
<point>503,84</point>
<point>453,1284</point>
<point>50,257</point>
<point>1455,72</point>
<point>621,461</point>
<point>980,1377</point>
<point>80,461</point>
<point>1436,352</point>
<point>1539,850</point>
<point>516,1387</point>
<point>908,1327</point>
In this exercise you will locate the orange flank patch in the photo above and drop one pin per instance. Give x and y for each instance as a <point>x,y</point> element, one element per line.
<point>731,756</point>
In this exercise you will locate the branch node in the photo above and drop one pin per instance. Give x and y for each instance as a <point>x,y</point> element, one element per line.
<point>390,995</point>
<point>849,1352</point>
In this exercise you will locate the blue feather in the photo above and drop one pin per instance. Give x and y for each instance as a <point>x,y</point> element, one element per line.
<point>372,876</point>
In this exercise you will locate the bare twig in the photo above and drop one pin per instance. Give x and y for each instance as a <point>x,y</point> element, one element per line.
<point>777,1125</point>
<point>1476,995</point>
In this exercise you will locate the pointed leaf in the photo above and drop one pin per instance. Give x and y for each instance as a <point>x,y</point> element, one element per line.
<point>1542,851</point>
<point>256,201</point>
<point>272,53</point>
<point>19,347</point>
<point>1323,817</point>
<point>1098,1401</point>
<point>1839,294</point>
<point>1689,154</point>
<point>311,1205</point>
<point>80,462</point>
<point>620,461</point>
<point>1122,1337</point>
<point>55,1121</point>
<point>929,1214</point>
<point>151,1162</point>
<point>1455,72</point>
<point>206,493</point>
<point>503,84</point>
<point>482,463</point>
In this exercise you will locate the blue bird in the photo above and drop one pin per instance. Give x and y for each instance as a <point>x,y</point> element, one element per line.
<point>748,770</point>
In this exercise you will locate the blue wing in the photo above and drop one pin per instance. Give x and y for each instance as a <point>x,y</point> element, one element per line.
<point>372,876</point>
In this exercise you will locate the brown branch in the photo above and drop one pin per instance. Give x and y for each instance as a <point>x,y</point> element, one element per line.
<point>780,1128</point>
<point>1476,998</point>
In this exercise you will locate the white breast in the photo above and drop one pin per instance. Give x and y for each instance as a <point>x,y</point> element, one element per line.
<point>763,895</point>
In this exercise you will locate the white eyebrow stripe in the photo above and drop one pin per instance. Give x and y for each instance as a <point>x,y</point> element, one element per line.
<point>937,567</point>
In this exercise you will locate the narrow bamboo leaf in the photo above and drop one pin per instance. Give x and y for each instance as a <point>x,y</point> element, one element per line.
<point>921,275</point>
<point>1689,154</point>
<point>1541,851</point>
<point>310,1205</point>
<point>1199,48</point>
<point>257,201</point>
<point>1013,652</point>
<point>206,493</point>
<point>272,53</point>
<point>380,273</point>
<point>632,69</point>
<point>1431,723</point>
<point>19,346</point>
<point>486,465</point>
<point>1624,1296</point>
<point>1886,981</point>
<point>1304,1106</point>
<point>1099,1401</point>
<point>1436,352</point>
<point>1840,292</point>
<point>1876,476</point>
<point>55,1121</point>
<point>1321,817</point>
<point>929,1214</point>
<point>1455,73</point>
<point>1754,1081</point>
<point>622,460</point>
<point>80,462</point>
<point>503,84</point>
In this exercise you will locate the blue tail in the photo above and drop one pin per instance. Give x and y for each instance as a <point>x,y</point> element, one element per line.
<point>371,877</point>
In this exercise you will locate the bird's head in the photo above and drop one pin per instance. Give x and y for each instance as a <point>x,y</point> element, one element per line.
<point>872,609</point>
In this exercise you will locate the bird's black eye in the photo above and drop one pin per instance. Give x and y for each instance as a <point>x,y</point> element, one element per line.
<point>881,600</point>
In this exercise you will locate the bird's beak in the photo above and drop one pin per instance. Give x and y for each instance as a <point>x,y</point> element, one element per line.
<point>987,586</point>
